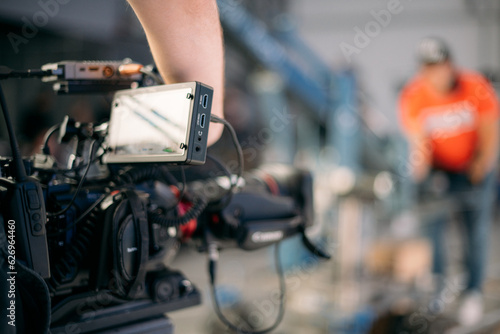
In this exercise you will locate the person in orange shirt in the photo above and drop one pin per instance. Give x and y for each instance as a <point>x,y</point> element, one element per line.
<point>450,117</point>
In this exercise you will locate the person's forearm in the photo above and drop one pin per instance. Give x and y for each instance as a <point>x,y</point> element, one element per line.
<point>488,146</point>
<point>486,155</point>
<point>185,37</point>
<point>419,158</point>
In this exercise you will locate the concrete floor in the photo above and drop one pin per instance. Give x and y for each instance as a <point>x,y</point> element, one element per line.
<point>317,301</point>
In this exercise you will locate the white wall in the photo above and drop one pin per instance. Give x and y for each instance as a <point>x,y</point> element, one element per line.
<point>389,59</point>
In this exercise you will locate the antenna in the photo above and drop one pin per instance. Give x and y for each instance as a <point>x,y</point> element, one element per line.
<point>25,203</point>
<point>19,170</point>
<point>5,73</point>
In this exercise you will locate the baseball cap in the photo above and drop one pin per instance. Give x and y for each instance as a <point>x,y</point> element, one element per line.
<point>432,50</point>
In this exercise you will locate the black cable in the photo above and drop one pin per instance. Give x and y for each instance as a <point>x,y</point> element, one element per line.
<point>81,217</point>
<point>95,159</point>
<point>145,173</point>
<point>212,268</point>
<point>48,134</point>
<point>158,80</point>
<point>182,191</point>
<point>312,247</point>
<point>219,164</point>
<point>155,173</point>
<point>229,192</point>
<point>184,185</point>
<point>20,171</point>
<point>234,138</point>
<point>199,204</point>
<point>80,184</point>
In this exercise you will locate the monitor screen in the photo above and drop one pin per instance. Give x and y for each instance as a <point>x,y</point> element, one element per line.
<point>150,122</point>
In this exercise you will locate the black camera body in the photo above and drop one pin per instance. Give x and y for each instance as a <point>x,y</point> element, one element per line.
<point>101,241</point>
<point>109,250</point>
<point>117,260</point>
<point>96,249</point>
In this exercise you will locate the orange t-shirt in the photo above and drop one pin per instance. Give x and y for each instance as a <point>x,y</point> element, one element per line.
<point>449,121</point>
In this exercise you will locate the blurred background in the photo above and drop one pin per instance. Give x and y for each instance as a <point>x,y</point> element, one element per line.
<point>311,83</point>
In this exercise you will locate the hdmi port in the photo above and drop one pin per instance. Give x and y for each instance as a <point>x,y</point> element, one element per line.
<point>202,120</point>
<point>94,68</point>
<point>204,102</point>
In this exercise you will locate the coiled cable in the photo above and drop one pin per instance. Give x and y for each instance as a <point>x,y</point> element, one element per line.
<point>199,204</point>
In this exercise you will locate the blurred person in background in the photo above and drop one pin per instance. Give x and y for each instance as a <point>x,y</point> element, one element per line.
<point>450,117</point>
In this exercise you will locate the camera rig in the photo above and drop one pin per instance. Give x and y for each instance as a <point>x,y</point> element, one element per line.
<point>96,239</point>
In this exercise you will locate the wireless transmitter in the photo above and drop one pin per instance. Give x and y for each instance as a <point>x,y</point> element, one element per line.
<point>24,204</point>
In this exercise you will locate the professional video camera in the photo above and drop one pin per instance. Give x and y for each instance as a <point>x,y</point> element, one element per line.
<point>88,240</point>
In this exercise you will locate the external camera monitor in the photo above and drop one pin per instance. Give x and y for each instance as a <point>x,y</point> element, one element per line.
<point>166,123</point>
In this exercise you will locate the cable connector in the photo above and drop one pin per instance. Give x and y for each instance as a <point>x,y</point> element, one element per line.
<point>213,257</point>
<point>7,72</point>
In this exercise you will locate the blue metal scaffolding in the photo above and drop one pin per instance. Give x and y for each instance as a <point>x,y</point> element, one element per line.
<point>329,95</point>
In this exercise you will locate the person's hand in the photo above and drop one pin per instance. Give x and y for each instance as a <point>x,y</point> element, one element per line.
<point>486,151</point>
<point>420,172</point>
<point>419,158</point>
<point>477,171</point>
